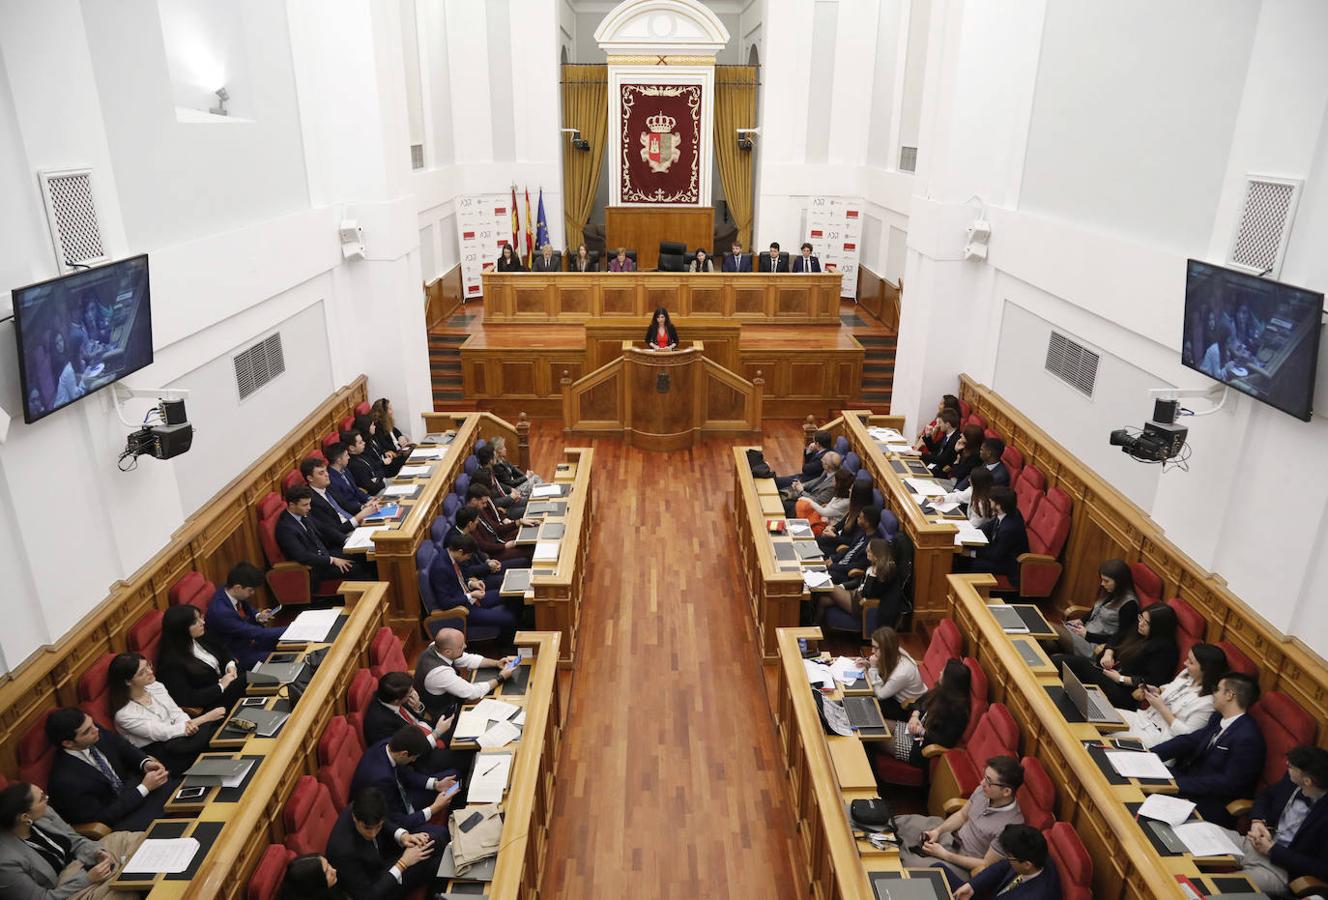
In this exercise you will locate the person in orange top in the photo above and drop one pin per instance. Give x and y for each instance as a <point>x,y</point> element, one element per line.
<point>660,334</point>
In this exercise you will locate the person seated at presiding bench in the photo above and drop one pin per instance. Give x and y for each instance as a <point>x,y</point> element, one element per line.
<point>842,531</point>
<point>197,671</point>
<point>1221,761</point>
<point>818,514</point>
<point>1288,836</point>
<point>621,262</point>
<point>546,261</point>
<point>397,703</point>
<point>442,688</point>
<point>1112,618</point>
<point>940,453</point>
<point>970,837</point>
<point>893,675</point>
<point>820,444</point>
<point>235,625</point>
<point>508,261</point>
<point>365,466</point>
<point>413,798</point>
<point>701,263</point>
<point>42,857</point>
<point>1026,872</point>
<point>147,717</point>
<point>772,261</point>
<point>581,262</point>
<point>939,717</point>
<point>333,522</point>
<point>660,333</point>
<point>1007,540</point>
<point>821,488</point>
<point>989,455</point>
<point>374,861</point>
<point>98,776</point>
<point>485,606</point>
<point>348,493</point>
<point>1182,705</point>
<point>1149,656</point>
<point>806,263</point>
<point>737,261</point>
<point>300,542</point>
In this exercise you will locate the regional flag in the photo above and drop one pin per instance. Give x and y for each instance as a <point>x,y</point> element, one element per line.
<point>541,226</point>
<point>530,237</point>
<point>516,228</point>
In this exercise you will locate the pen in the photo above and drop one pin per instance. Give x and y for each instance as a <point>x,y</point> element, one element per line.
<point>490,769</point>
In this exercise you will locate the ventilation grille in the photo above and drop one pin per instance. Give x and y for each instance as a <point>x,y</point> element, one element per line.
<point>908,159</point>
<point>259,364</point>
<point>417,156</point>
<point>1265,225</point>
<point>72,215</point>
<point>1072,363</point>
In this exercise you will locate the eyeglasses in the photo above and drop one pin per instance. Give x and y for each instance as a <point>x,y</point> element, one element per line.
<point>996,784</point>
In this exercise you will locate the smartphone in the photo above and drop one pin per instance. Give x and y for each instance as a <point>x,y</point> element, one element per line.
<point>451,792</point>
<point>470,823</point>
<point>190,793</point>
<point>253,701</point>
<point>512,665</point>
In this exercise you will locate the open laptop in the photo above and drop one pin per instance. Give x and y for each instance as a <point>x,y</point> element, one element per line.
<point>1092,704</point>
<point>863,712</point>
<point>279,668</point>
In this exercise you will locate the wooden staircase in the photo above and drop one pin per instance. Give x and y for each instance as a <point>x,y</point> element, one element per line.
<point>445,368</point>
<point>878,369</point>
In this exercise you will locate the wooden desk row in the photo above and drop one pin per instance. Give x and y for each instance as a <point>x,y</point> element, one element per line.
<point>774,597</point>
<point>537,297</point>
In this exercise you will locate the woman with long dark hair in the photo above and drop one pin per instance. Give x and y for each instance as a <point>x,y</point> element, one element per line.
<point>389,436</point>
<point>150,720</point>
<point>1112,618</point>
<point>1182,705</point>
<point>818,515</point>
<point>388,462</point>
<point>970,441</point>
<point>880,582</point>
<point>841,531</point>
<point>310,877</point>
<point>939,717</point>
<point>1149,656</point>
<point>197,671</point>
<point>660,333</point>
<point>892,674</point>
<point>509,261</point>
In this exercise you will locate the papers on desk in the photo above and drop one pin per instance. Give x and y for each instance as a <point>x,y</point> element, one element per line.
<point>967,535</point>
<point>546,490</point>
<point>925,486</point>
<point>1165,808</point>
<point>817,581</point>
<point>413,472</point>
<point>1206,839</point>
<point>877,433</point>
<point>836,717</point>
<point>948,507</point>
<point>500,735</point>
<point>901,449</point>
<point>391,511</point>
<point>1129,764</point>
<point>400,490</point>
<point>546,551</point>
<point>470,725</point>
<point>498,710</point>
<point>362,538</point>
<point>168,857</point>
<point>799,528</point>
<point>845,669</point>
<point>421,454</point>
<point>489,777</point>
<point>819,674</point>
<point>312,625</point>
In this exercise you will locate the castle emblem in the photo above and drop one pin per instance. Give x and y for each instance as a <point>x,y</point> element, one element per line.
<point>660,145</point>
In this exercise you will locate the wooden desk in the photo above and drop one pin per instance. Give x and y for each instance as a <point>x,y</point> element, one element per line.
<point>774,598</point>
<point>556,591</point>
<point>568,297</point>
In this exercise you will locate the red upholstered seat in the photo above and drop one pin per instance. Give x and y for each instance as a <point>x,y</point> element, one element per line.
<point>386,653</point>
<point>996,734</point>
<point>946,644</point>
<point>145,634</point>
<point>35,753</point>
<point>1192,630</point>
<point>1040,568</point>
<point>329,439</point>
<point>965,409</point>
<point>1237,661</point>
<point>347,423</point>
<point>271,869</point>
<point>1037,796</point>
<point>361,691</point>
<point>1284,725</point>
<point>363,408</point>
<point>1072,861</point>
<point>318,455</point>
<point>339,752</point>
<point>975,419</point>
<point>193,589</point>
<point>1147,585</point>
<point>977,697</point>
<point>1014,462</point>
<point>293,478</point>
<point>308,817</point>
<point>93,687</point>
<point>1028,490</point>
<point>289,581</point>
<point>990,433</point>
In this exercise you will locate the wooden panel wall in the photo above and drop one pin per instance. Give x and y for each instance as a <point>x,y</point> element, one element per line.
<point>442,297</point>
<point>641,228</point>
<point>222,533</point>
<point>880,297</point>
<point>1105,524</point>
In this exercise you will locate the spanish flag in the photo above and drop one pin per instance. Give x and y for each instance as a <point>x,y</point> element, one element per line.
<point>530,236</point>
<point>516,227</point>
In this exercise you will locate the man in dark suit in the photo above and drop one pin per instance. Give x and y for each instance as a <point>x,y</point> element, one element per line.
<point>1024,874</point>
<point>547,261</point>
<point>496,534</point>
<point>806,263</point>
<point>772,261</point>
<point>489,571</point>
<point>300,542</point>
<point>990,454</point>
<point>737,261</point>
<point>820,443</point>
<point>367,476</point>
<point>373,861</point>
<point>332,520</point>
<point>855,557</point>
<point>98,776</point>
<point>1221,761</point>
<point>1288,836</point>
<point>1007,540</point>
<point>941,453</point>
<point>344,488</point>
<point>451,588</point>
<point>397,703</point>
<point>413,798</point>
<point>233,623</point>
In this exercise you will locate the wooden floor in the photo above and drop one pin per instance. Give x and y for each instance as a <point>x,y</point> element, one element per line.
<point>670,783</point>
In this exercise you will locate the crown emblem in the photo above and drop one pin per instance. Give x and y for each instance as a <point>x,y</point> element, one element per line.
<point>660,123</point>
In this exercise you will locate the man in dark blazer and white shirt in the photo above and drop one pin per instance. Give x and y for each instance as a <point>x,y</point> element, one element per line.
<point>235,624</point>
<point>413,798</point>
<point>334,521</point>
<point>375,861</point>
<point>300,541</point>
<point>348,493</point>
<point>772,261</point>
<point>1221,761</point>
<point>806,262</point>
<point>1007,540</point>
<point>98,776</point>
<point>737,261</point>
<point>990,454</point>
<point>942,453</point>
<point>547,260</point>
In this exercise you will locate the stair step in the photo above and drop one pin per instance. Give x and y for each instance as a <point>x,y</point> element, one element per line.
<point>448,380</point>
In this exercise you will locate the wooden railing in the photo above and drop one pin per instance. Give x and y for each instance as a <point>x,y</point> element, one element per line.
<point>1106,525</point>
<point>222,533</point>
<point>774,598</point>
<point>442,298</point>
<point>557,599</point>
<point>880,297</point>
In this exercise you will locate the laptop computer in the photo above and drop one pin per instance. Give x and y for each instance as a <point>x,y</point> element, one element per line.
<point>279,668</point>
<point>1092,704</point>
<point>890,886</point>
<point>863,712</point>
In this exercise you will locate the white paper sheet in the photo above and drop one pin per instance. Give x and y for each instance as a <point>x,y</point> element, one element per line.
<point>845,669</point>
<point>498,710</point>
<point>968,535</point>
<point>470,724</point>
<point>546,490</point>
<point>819,673</point>
<point>311,625</point>
<point>951,506</point>
<point>400,490</point>
<point>1165,808</point>
<point>926,487</point>
<point>901,450</point>
<point>500,735</point>
<point>1206,839</point>
<point>363,537</point>
<point>169,857</point>
<point>1129,764</point>
<point>234,781</point>
<point>817,581</point>
<point>413,471</point>
<point>489,777</point>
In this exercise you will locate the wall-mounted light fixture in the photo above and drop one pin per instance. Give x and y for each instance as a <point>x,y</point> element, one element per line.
<point>578,141</point>
<point>222,97</point>
<point>745,135</point>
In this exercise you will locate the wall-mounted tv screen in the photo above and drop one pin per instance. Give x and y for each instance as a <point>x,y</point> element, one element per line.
<point>1258,336</point>
<point>81,332</point>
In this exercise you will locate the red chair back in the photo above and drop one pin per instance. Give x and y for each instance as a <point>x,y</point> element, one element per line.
<point>1192,626</point>
<point>386,653</point>
<point>1014,462</point>
<point>1284,725</point>
<point>1050,525</point>
<point>329,439</point>
<point>1037,796</point>
<point>293,478</point>
<point>363,408</point>
<point>965,409</point>
<point>361,692</point>
<point>975,419</point>
<point>269,508</point>
<point>977,697</point>
<point>1147,585</point>
<point>144,636</point>
<point>1072,861</point>
<point>946,644</point>
<point>347,423</point>
<point>1237,661</point>
<point>339,752</point>
<point>989,433</point>
<point>318,455</point>
<point>93,687</point>
<point>35,753</point>
<point>1028,490</point>
<point>193,589</point>
<point>309,816</point>
<point>996,735</point>
<point>268,875</point>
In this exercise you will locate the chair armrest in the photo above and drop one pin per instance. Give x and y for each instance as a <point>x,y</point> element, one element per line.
<point>1038,559</point>
<point>856,573</point>
<point>953,805</point>
<point>1307,886</point>
<point>1071,612</point>
<point>1239,808</point>
<point>93,830</point>
<point>933,750</point>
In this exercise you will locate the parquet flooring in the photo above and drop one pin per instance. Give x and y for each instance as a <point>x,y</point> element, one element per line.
<point>670,783</point>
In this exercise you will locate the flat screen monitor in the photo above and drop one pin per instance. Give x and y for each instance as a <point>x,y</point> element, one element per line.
<point>1258,336</point>
<point>81,332</point>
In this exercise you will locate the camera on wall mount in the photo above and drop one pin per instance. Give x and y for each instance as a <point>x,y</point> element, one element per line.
<point>745,135</point>
<point>165,431</point>
<point>1162,440</point>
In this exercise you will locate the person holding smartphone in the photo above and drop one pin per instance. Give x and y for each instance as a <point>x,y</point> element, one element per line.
<point>373,859</point>
<point>1149,656</point>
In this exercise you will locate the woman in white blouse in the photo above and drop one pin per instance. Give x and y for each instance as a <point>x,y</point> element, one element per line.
<point>977,496</point>
<point>150,720</point>
<point>892,674</point>
<point>819,515</point>
<point>1182,705</point>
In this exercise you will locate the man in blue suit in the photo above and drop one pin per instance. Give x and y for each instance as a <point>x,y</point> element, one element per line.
<point>1288,836</point>
<point>990,453</point>
<point>98,776</point>
<point>1221,761</point>
<point>452,588</point>
<point>298,538</point>
<point>806,263</point>
<point>737,261</point>
<point>343,487</point>
<point>1026,873</point>
<point>235,624</point>
<point>413,798</point>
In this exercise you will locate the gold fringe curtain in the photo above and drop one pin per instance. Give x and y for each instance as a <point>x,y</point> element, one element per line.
<point>585,107</point>
<point>735,107</point>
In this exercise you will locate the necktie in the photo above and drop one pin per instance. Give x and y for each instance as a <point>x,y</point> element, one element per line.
<point>105,767</point>
<point>465,588</point>
<point>405,801</point>
<point>345,516</point>
<point>1018,880</point>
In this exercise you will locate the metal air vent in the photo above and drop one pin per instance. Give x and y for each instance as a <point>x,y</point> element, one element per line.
<point>1265,225</point>
<point>908,159</point>
<point>259,364</point>
<point>72,215</point>
<point>1072,363</point>
<point>417,156</point>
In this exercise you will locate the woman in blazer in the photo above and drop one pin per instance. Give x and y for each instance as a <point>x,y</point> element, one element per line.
<point>198,672</point>
<point>388,462</point>
<point>879,582</point>
<point>702,263</point>
<point>660,333</point>
<point>1149,656</point>
<point>1183,705</point>
<point>892,674</point>
<point>581,262</point>
<point>509,261</point>
<point>387,434</point>
<point>149,719</point>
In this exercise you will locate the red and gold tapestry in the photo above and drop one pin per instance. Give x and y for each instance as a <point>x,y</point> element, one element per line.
<point>661,143</point>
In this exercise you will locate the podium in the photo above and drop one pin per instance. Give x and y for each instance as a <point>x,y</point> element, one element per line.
<point>662,399</point>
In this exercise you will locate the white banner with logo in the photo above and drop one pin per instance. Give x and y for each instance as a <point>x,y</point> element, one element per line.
<point>484,224</point>
<point>834,229</point>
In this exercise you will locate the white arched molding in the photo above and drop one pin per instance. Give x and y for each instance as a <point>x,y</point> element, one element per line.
<point>661,42</point>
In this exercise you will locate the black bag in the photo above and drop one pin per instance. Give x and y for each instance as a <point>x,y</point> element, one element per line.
<point>756,459</point>
<point>873,815</point>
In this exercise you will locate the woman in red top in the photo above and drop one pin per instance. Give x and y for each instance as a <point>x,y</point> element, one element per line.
<point>660,334</point>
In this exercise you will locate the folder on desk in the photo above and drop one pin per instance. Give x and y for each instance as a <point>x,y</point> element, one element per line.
<point>552,531</point>
<point>218,771</point>
<point>555,509</point>
<point>528,534</point>
<point>515,582</point>
<point>267,721</point>
<point>808,550</point>
<point>546,551</point>
<point>386,514</point>
<point>545,491</point>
